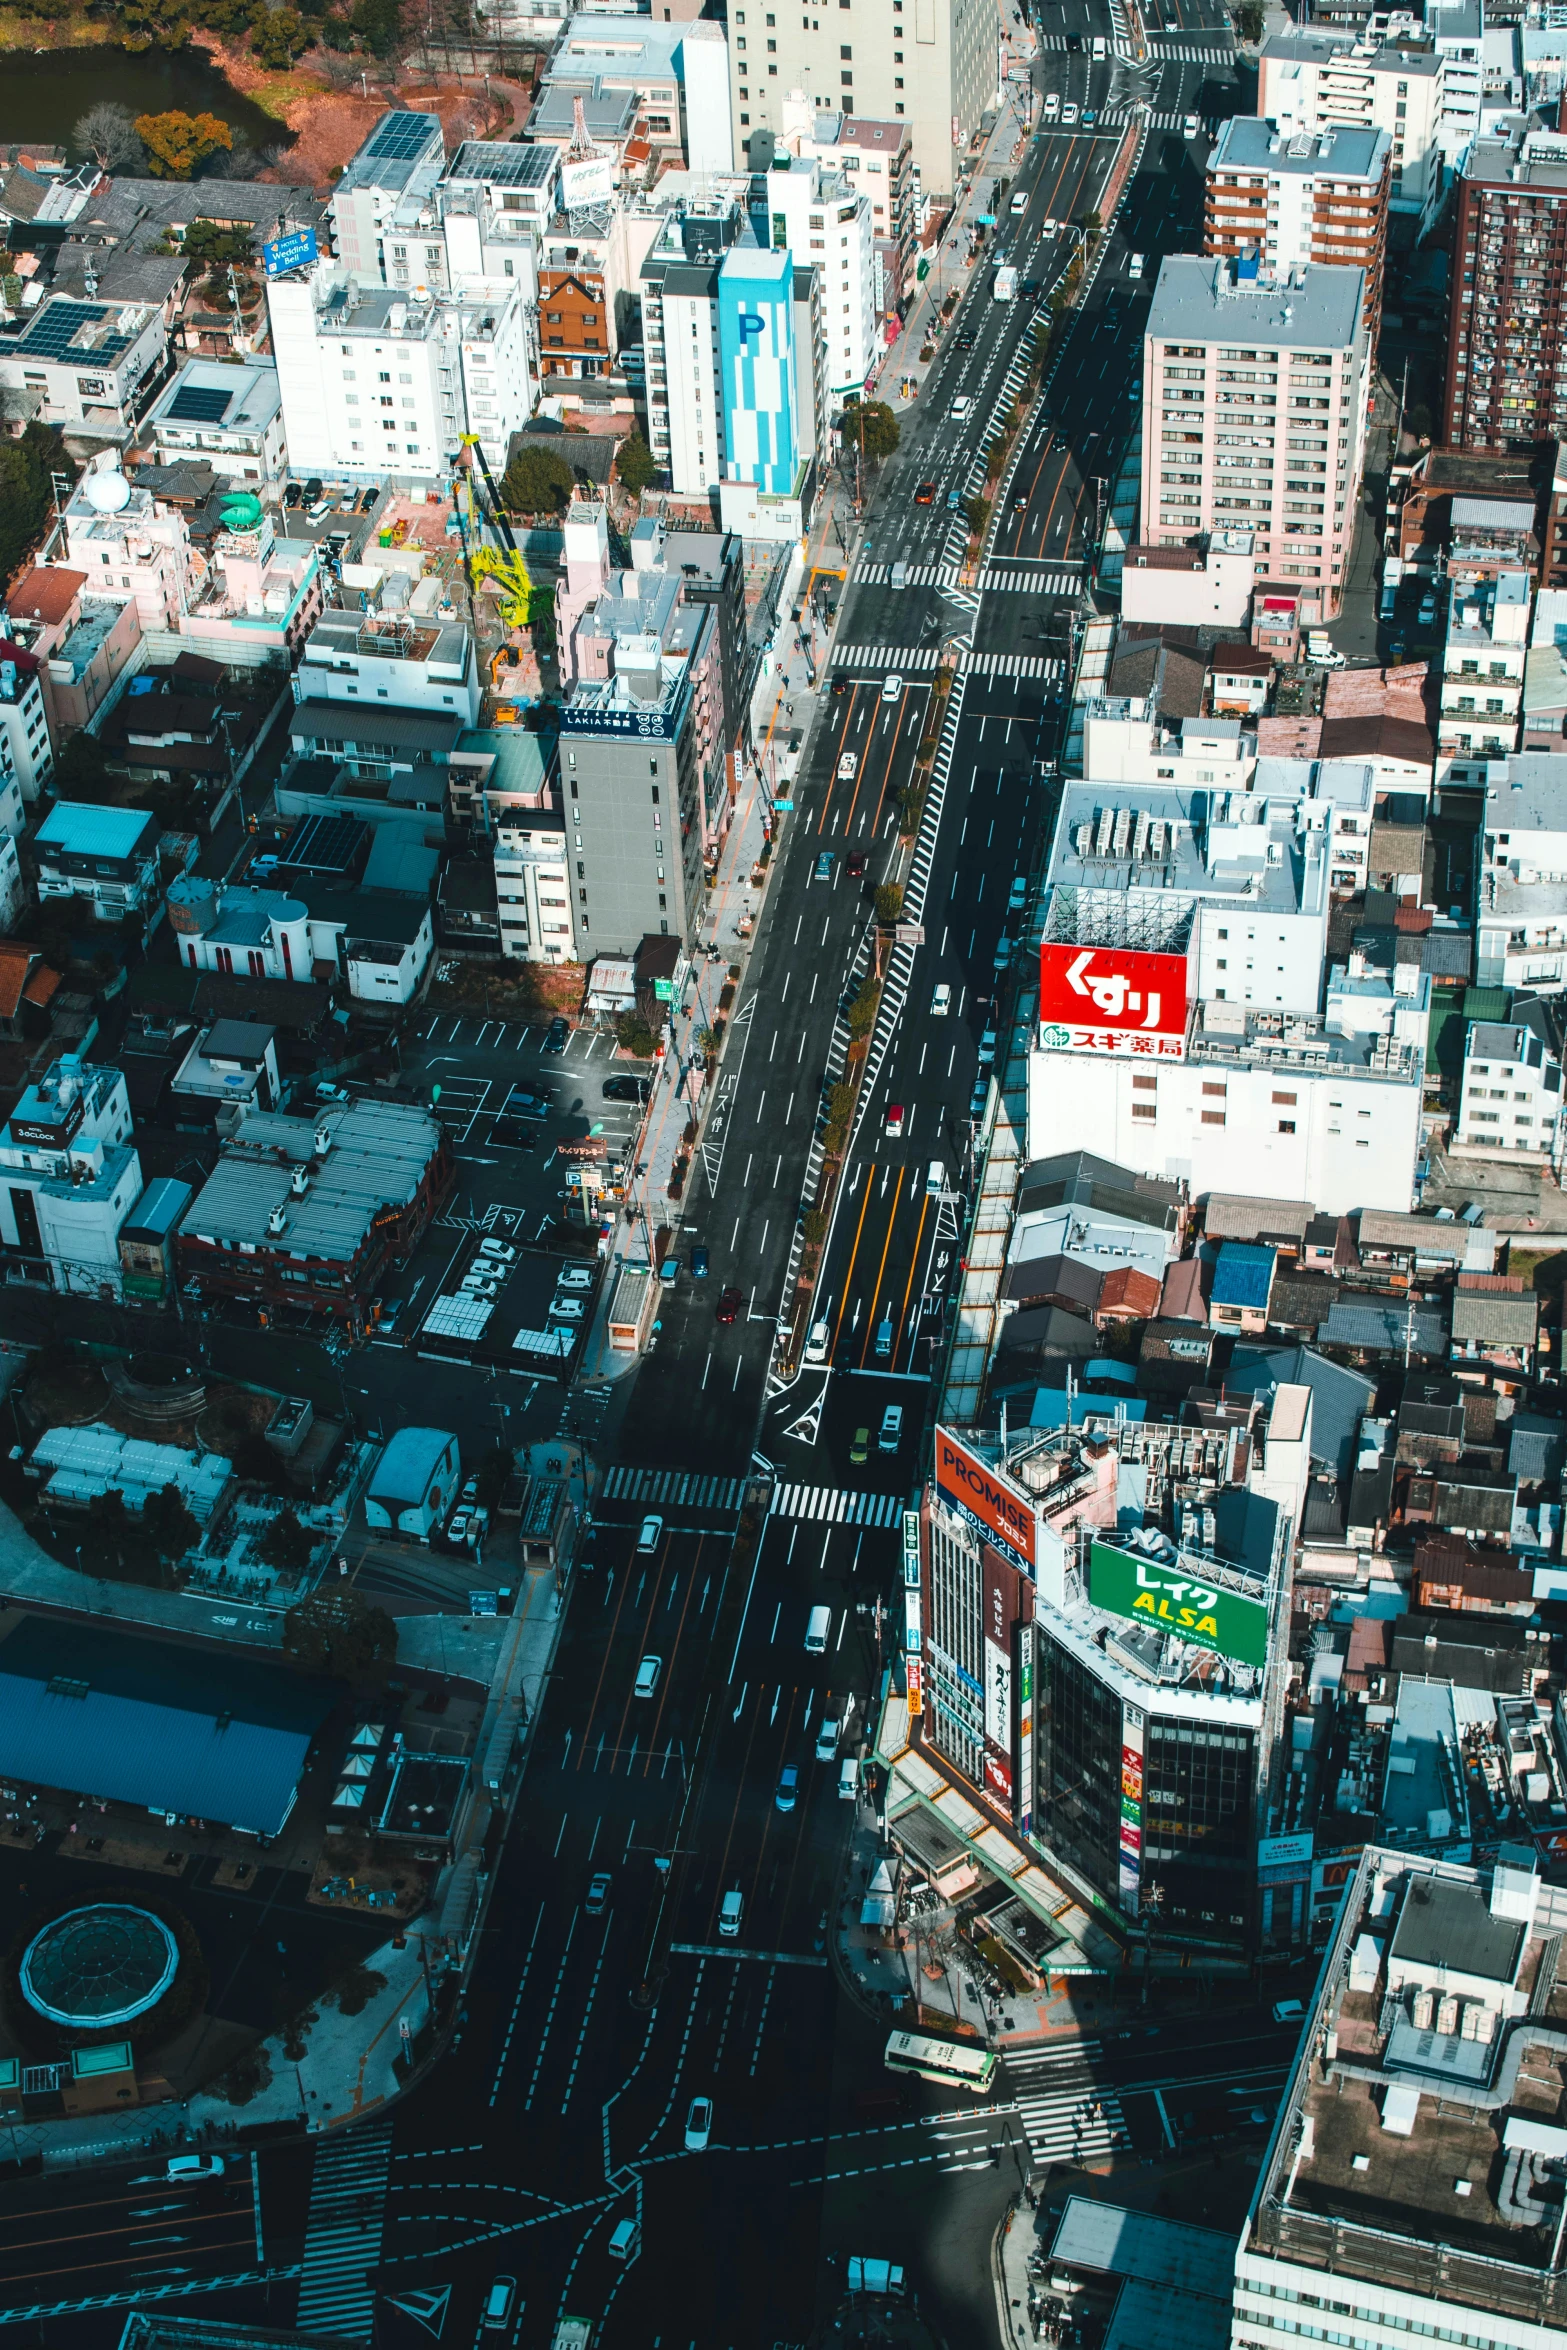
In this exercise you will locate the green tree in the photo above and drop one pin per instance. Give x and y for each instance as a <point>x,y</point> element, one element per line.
<point>870,427</point>
<point>279,37</point>
<point>977,511</point>
<point>537,482</point>
<point>167,1525</point>
<point>636,466</point>
<point>206,241</point>
<point>633,1035</point>
<point>861,1017</point>
<point>80,771</point>
<point>287,1545</point>
<point>25,492</point>
<point>178,143</point>
<point>1249,21</point>
<point>889,904</point>
<point>378,24</point>
<point>107,134</point>
<point>340,1633</point>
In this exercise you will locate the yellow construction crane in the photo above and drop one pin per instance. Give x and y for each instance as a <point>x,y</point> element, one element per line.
<point>503,564</point>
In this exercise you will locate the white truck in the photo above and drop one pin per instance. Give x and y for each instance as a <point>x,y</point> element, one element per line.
<point>1005,288</point>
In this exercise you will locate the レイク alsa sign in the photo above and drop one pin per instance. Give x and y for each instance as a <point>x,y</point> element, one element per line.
<point>1168,1595</point>
<point>1094,999</point>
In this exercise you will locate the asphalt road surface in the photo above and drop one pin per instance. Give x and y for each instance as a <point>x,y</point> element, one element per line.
<point>594,2017</point>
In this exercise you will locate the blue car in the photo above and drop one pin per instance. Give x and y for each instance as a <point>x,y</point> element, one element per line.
<point>699,1262</point>
<point>824,866</point>
<point>788,1781</point>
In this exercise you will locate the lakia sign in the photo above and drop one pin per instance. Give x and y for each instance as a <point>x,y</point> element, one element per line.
<point>999,1510</point>
<point>1096,999</point>
<point>1168,1595</point>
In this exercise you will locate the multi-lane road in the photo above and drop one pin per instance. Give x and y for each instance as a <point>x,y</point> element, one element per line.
<point>594,2017</point>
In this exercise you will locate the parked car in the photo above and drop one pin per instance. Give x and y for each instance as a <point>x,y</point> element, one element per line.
<point>502,1251</point>
<point>556,1035</point>
<point>626,1089</point>
<point>578,1277</point>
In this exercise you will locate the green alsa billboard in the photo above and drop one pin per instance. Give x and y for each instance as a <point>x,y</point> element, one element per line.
<point>1166,1594</point>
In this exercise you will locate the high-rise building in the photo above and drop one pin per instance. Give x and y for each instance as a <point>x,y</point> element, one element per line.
<point>1411,2186</point>
<point>1254,413</point>
<point>1313,77</point>
<point>937,67</point>
<point>824,218</point>
<point>1290,198</point>
<point>384,222</point>
<point>1506,344</point>
<point>380,385</point>
<point>877,156</point>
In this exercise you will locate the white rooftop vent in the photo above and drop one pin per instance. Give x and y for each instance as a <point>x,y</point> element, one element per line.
<point>299,1182</point>
<point>323,1141</point>
<point>277,1222</point>
<point>1400,2111</point>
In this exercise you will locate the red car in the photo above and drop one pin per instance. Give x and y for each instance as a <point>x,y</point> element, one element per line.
<point>856,868</point>
<point>729,1305</point>
<point>925,495</point>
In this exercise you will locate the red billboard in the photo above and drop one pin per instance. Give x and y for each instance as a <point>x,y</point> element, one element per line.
<point>991,1501</point>
<point>1107,998</point>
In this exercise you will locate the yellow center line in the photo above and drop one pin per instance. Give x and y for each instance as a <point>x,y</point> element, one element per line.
<point>853,1253</point>
<point>914,1264</point>
<point>882,1267</point>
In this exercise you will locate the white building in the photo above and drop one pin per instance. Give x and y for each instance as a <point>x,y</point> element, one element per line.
<point>533,886</point>
<point>1521,891</point>
<point>385,199</point>
<point>496,203</point>
<point>381,941</point>
<point>1400,2196</point>
<point>84,363</point>
<point>69,1176</point>
<point>228,415</point>
<point>390,654</point>
<point>827,221</point>
<point>678,74</point>
<point>1511,1105</point>
<point>26,751</point>
<point>1315,77</point>
<point>123,537</point>
<point>1254,408</point>
<point>381,386</point>
<point>1483,658</point>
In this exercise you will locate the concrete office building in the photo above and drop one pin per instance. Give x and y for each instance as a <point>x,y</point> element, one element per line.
<point>1291,198</point>
<point>938,71</point>
<point>677,74</point>
<point>825,219</point>
<point>384,224</point>
<point>1313,78</point>
<point>1404,2188</point>
<point>633,782</point>
<point>1254,414</point>
<point>876,155</point>
<point>381,387</point>
<point>1506,344</point>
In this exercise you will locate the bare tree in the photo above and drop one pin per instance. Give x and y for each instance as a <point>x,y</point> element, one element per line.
<point>107,133</point>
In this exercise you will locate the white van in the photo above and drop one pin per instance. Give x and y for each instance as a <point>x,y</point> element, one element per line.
<point>729,1914</point>
<point>817,1344</point>
<point>1019,204</point>
<point>848,1780</point>
<point>626,2242</point>
<point>891,1435</point>
<point>1134,267</point>
<point>1099,45</point>
<point>898,576</point>
<point>816,1631</point>
<point>936,1178</point>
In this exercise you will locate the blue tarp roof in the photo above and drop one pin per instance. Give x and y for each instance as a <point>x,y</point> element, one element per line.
<point>209,1736</point>
<point>1243,1275</point>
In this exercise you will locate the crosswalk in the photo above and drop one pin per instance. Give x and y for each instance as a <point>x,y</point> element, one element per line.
<point>882,659</point>
<point>1116,118</point>
<point>343,2235</point>
<point>832,1505</point>
<point>1004,579</point>
<point>1013,664</point>
<point>868,574</point>
<point>1065,2116</point>
<point>679,1488</point>
<point>1171,52</point>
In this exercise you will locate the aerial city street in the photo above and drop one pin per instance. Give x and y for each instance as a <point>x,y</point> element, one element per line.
<point>782,1105</point>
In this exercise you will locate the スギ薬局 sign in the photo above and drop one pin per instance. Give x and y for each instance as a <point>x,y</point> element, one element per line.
<point>1107,999</point>
<point>1000,1510</point>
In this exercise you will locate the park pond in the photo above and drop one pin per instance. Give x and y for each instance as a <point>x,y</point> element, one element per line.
<point>43,96</point>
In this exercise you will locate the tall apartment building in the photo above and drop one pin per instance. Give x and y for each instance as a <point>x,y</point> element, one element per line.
<point>1312,79</point>
<point>383,207</point>
<point>1254,413</point>
<point>1291,198</point>
<point>675,74</point>
<point>632,773</point>
<point>1411,2185</point>
<point>378,385</point>
<point>825,220</point>
<point>1483,656</point>
<point>1507,319</point>
<point>877,156</point>
<point>936,67</point>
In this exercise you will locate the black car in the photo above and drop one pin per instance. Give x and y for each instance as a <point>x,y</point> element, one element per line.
<point>559,1030</point>
<point>312,489</point>
<point>1031,289</point>
<point>291,495</point>
<point>626,1089</point>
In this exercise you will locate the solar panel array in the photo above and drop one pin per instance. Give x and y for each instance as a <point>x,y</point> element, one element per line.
<point>503,163</point>
<point>400,138</point>
<point>457,1317</point>
<point>200,404</point>
<point>54,328</point>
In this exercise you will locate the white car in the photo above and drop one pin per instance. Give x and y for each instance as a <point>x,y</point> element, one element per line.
<point>892,687</point>
<point>729,1913</point>
<point>1018,893</point>
<point>647,1676</point>
<point>699,2124</point>
<point>1052,105</point>
<point>566,1309</point>
<point>846,766</point>
<point>574,1277</point>
<point>650,1536</point>
<point>961,406</point>
<point>1190,127</point>
<point>459,1528</point>
<point>1068,116</point>
<point>941,1002</point>
<point>501,1250</point>
<point>194,2166</point>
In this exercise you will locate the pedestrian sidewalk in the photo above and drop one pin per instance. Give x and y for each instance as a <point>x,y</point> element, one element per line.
<point>1026,2311</point>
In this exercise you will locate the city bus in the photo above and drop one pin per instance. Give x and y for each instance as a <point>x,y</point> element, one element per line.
<point>959,2063</point>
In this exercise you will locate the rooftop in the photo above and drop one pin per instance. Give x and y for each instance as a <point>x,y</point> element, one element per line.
<point>1144,853</point>
<point>1321,47</point>
<point>77,828</point>
<point>208,397</point>
<point>1246,143</point>
<point>401,146</point>
<point>1526,792</point>
<point>1201,300</point>
<point>1536,160</point>
<point>503,163</point>
<point>377,1156</point>
<point>1428,2060</point>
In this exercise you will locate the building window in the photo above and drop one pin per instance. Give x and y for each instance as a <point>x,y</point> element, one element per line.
<point>1286,1125</point>
<point>1213,1117</point>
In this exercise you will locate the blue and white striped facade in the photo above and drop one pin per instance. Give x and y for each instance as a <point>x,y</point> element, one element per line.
<point>757,360</point>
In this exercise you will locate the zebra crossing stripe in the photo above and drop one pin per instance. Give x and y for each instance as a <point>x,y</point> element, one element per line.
<point>835,1505</point>
<point>343,2235</point>
<point>1001,578</point>
<point>674,1487</point>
